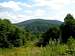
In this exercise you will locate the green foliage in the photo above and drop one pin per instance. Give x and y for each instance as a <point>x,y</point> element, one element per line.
<point>10,35</point>
<point>62,33</point>
<point>53,33</point>
<point>68,28</point>
<point>38,25</point>
<point>52,49</point>
<point>14,36</point>
<point>68,19</point>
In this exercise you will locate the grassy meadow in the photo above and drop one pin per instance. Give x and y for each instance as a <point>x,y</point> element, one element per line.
<point>53,49</point>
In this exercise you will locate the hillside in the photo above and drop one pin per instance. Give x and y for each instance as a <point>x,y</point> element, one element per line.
<point>38,25</point>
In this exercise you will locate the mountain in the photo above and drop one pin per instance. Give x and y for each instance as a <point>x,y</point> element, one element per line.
<point>38,25</point>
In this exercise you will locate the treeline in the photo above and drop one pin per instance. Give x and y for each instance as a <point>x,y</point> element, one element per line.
<point>14,36</point>
<point>11,35</point>
<point>60,33</point>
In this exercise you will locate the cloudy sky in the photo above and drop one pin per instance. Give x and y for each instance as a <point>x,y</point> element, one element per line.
<point>21,10</point>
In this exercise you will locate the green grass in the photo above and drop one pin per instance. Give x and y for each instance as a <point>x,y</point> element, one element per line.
<point>53,49</point>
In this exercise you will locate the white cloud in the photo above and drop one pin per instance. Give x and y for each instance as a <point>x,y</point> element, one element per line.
<point>58,8</point>
<point>10,4</point>
<point>15,5</point>
<point>39,13</point>
<point>14,18</point>
<point>54,4</point>
<point>49,9</point>
<point>25,5</point>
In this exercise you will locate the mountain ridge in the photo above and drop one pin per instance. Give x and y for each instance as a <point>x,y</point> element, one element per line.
<point>38,25</point>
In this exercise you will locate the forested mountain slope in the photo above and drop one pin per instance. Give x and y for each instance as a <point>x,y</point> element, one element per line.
<point>38,25</point>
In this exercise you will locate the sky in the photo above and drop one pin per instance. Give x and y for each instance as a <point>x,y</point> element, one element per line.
<point>21,10</point>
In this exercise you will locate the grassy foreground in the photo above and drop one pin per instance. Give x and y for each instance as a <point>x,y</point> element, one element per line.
<point>53,49</point>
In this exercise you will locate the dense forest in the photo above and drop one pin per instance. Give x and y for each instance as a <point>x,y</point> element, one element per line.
<point>38,25</point>
<point>17,35</point>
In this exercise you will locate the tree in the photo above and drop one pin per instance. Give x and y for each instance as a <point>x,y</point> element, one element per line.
<point>68,28</point>
<point>11,35</point>
<point>53,33</point>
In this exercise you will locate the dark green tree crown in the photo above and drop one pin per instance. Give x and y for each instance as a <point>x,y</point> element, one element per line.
<point>69,16</point>
<point>69,19</point>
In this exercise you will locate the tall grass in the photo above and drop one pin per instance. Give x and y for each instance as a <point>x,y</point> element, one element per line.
<point>53,49</point>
